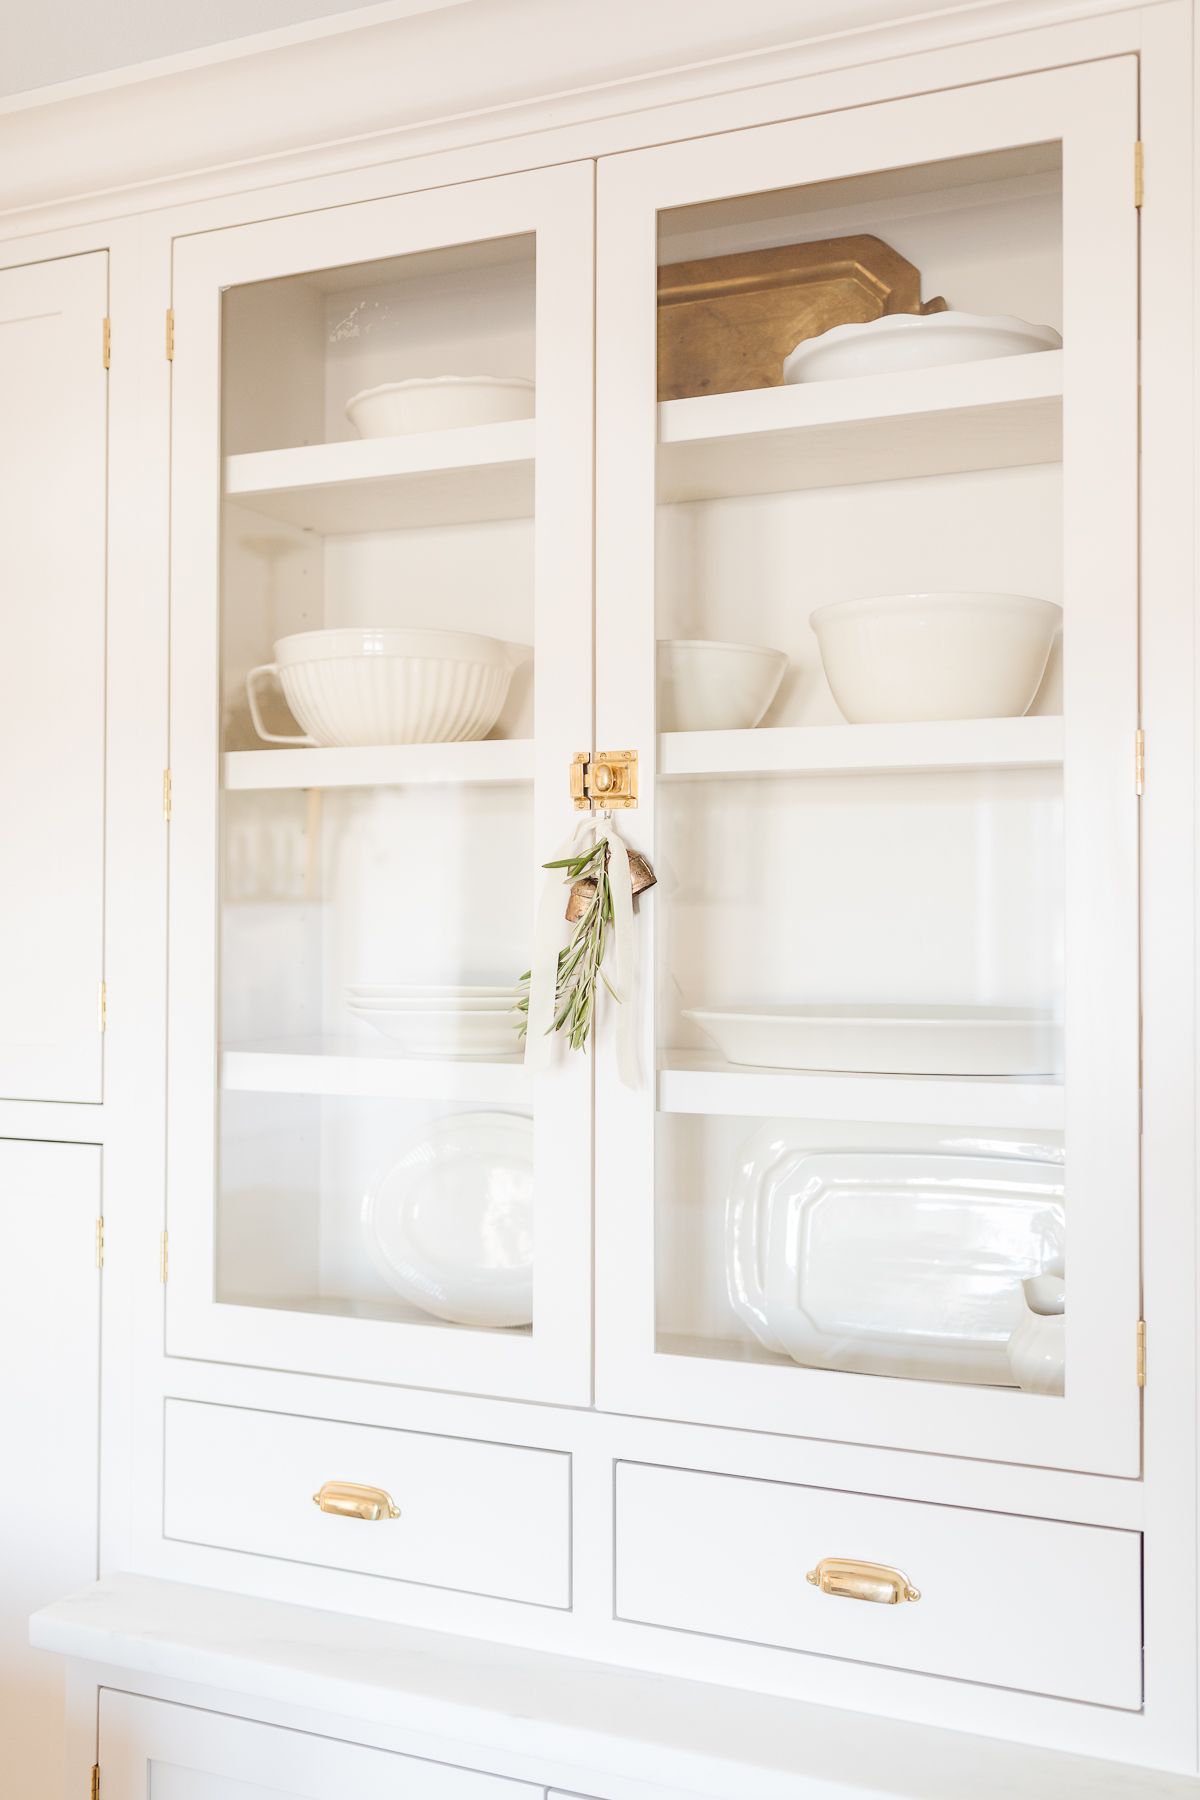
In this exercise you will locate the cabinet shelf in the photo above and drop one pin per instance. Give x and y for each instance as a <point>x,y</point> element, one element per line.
<point>691,1083</point>
<point>492,761</point>
<point>472,475</point>
<point>987,415</point>
<point>1031,743</point>
<point>332,1066</point>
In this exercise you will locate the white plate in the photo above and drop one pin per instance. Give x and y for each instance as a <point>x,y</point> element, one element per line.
<point>429,1032</point>
<point>889,1263</point>
<point>889,1040</point>
<point>415,991</point>
<point>912,341</point>
<point>472,1003</point>
<point>450,1224</point>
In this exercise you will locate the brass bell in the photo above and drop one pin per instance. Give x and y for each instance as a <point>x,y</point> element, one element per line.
<point>583,892</point>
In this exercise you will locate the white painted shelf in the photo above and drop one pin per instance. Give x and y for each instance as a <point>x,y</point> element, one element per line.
<point>1030,743</point>
<point>695,1083</point>
<point>987,415</point>
<point>491,760</point>
<point>347,1067</point>
<point>467,476</point>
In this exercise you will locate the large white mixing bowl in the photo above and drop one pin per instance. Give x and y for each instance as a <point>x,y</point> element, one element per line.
<point>357,686</point>
<point>953,655</point>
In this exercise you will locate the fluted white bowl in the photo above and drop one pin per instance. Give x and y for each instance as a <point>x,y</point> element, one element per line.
<point>355,686</point>
<point>439,403</point>
<point>951,655</point>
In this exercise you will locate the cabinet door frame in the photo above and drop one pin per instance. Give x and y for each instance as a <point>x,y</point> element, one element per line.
<point>136,1732</point>
<point>554,1362</point>
<point>1092,109</point>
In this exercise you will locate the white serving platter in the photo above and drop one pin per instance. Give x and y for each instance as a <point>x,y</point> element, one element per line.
<point>890,1263</point>
<point>888,1040</point>
<point>901,341</point>
<point>450,1224</point>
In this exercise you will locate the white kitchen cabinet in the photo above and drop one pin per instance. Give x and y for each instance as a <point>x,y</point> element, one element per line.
<point>342,868</point>
<point>50,1419</point>
<point>748,1271</point>
<point>165,1752</point>
<point>53,467</point>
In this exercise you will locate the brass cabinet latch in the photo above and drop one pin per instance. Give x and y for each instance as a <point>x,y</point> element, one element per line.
<point>607,780</point>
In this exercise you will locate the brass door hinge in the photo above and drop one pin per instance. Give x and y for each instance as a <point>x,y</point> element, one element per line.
<point>106,342</point>
<point>102,1007</point>
<point>1139,173</point>
<point>95,1781</point>
<point>170,334</point>
<point>166,793</point>
<point>1141,1353</point>
<point>162,1258</point>
<point>607,780</point>
<point>1139,762</point>
<point>99,1243</point>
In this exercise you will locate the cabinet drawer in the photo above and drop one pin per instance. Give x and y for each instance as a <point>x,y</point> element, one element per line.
<point>480,1517</point>
<point>1015,1602</point>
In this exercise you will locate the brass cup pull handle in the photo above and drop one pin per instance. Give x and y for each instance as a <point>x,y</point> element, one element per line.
<point>847,1579</point>
<point>347,1500</point>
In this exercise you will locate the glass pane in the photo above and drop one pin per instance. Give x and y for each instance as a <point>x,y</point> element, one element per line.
<point>860,810</point>
<point>376,835</point>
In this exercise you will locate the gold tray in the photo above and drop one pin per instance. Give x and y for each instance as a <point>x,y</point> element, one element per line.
<point>727,322</point>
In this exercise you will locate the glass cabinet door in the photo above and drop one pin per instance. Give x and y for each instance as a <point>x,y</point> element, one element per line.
<point>381,650</point>
<point>867,606</point>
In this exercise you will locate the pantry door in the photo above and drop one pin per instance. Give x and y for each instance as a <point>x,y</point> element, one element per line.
<point>381,427</point>
<point>879,1178</point>
<point>53,527</point>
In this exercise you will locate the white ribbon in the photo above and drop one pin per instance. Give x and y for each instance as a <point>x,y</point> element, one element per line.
<point>543,967</point>
<point>621,885</point>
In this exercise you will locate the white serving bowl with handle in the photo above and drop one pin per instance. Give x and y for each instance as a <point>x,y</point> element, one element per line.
<point>440,403</point>
<point>953,655</point>
<point>360,686</point>
<point>709,686</point>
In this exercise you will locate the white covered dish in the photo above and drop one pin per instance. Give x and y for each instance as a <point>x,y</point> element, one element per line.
<point>914,341</point>
<point>889,1040</point>
<point>362,686</point>
<point>708,686</point>
<point>440,403</point>
<point>951,655</point>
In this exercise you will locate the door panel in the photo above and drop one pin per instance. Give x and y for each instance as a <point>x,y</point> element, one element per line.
<point>49,1424</point>
<point>164,1752</point>
<point>787,1212</point>
<point>53,474</point>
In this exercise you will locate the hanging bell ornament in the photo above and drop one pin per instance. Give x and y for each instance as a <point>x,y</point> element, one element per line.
<point>583,892</point>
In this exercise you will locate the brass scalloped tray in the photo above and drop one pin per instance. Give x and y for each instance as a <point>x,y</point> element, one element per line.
<point>726,323</point>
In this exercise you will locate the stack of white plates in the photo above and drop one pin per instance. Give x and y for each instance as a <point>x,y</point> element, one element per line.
<point>441,1021</point>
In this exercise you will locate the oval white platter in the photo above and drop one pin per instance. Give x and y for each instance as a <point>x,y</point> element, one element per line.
<point>889,1262</point>
<point>450,1224</point>
<point>888,1040</point>
<point>914,341</point>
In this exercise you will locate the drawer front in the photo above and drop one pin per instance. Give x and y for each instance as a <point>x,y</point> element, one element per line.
<point>1021,1603</point>
<point>483,1518</point>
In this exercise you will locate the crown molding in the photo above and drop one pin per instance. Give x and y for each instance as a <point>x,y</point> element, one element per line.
<point>245,116</point>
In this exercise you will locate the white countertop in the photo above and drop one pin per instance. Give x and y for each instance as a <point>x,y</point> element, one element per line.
<point>557,1719</point>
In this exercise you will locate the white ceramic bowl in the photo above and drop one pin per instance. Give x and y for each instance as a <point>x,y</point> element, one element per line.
<point>704,686</point>
<point>439,403</point>
<point>955,655</point>
<point>358,686</point>
<point>914,341</point>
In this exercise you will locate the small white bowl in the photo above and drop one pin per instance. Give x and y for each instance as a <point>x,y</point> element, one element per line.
<point>705,686</point>
<point>955,655</point>
<point>439,403</point>
<point>360,686</point>
<point>914,341</point>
